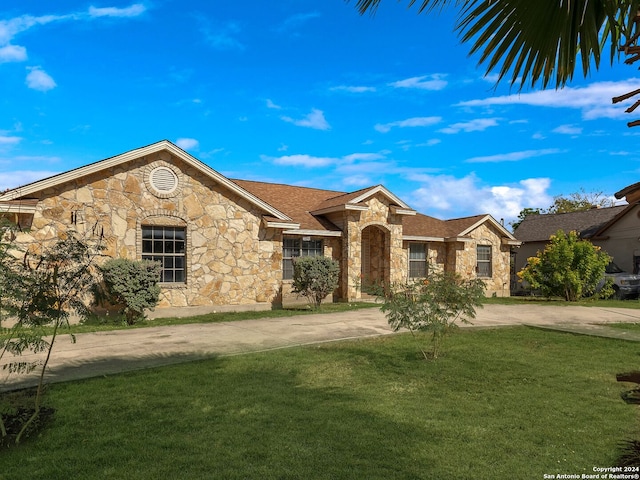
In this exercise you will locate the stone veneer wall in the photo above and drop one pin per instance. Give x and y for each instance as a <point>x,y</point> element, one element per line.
<point>355,222</point>
<point>231,259</point>
<point>498,284</point>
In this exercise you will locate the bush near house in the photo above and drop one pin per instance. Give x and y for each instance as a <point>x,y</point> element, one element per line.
<point>315,278</point>
<point>132,284</point>
<point>568,267</point>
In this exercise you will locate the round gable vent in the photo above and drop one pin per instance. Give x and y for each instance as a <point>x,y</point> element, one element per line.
<point>163,179</point>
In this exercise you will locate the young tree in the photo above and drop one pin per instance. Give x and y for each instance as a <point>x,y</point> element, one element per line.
<point>315,278</point>
<point>568,267</point>
<point>434,306</point>
<point>48,286</point>
<point>132,284</point>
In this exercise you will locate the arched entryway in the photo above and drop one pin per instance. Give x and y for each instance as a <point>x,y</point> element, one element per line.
<point>375,255</point>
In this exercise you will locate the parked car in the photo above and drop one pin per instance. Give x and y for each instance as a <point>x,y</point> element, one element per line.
<point>625,284</point>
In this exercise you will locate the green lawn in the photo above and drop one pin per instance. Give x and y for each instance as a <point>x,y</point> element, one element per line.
<point>509,403</point>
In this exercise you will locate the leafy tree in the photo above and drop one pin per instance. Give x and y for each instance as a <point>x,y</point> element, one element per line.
<point>541,41</point>
<point>568,267</point>
<point>579,202</point>
<point>315,277</point>
<point>574,202</point>
<point>433,305</point>
<point>132,284</point>
<point>525,212</point>
<point>47,287</point>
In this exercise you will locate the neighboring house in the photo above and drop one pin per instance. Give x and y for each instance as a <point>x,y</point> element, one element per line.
<point>230,244</point>
<point>615,229</point>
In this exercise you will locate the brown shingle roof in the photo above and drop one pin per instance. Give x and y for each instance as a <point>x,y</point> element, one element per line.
<point>296,202</point>
<point>459,225</point>
<point>420,225</point>
<point>537,228</point>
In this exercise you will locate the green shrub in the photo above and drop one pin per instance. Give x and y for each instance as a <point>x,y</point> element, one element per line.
<point>315,278</point>
<point>568,267</point>
<point>132,284</point>
<point>433,305</point>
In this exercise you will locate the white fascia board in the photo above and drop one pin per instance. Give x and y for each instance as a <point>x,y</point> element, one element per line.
<point>132,155</point>
<point>313,233</point>
<point>283,225</point>
<point>15,208</point>
<point>508,241</point>
<point>402,211</point>
<point>418,238</point>
<point>458,239</point>
<point>340,208</point>
<point>385,192</point>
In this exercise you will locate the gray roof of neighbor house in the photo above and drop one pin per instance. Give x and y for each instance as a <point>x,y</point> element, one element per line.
<point>538,228</point>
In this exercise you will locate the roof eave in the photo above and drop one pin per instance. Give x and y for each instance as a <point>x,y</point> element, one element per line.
<point>340,208</point>
<point>420,238</point>
<point>314,233</point>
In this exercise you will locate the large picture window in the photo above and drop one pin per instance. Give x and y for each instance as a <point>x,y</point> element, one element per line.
<point>167,246</point>
<point>483,265</point>
<point>417,260</point>
<point>297,247</point>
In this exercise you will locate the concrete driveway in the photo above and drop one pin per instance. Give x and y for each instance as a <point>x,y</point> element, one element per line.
<point>106,353</point>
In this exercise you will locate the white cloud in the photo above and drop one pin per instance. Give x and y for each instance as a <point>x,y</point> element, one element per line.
<point>131,11</point>
<point>314,120</point>
<point>296,21</point>
<point>308,161</point>
<point>426,82</point>
<point>514,156</point>
<point>223,37</point>
<point>568,130</point>
<point>12,53</point>
<point>430,143</point>
<point>594,100</point>
<point>353,89</point>
<point>409,122</point>
<point>9,140</point>
<point>38,79</point>
<point>270,104</point>
<point>367,157</point>
<point>187,143</point>
<point>477,125</point>
<point>447,196</point>
<point>22,177</point>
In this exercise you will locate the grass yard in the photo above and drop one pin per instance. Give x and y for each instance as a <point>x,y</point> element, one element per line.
<point>509,403</point>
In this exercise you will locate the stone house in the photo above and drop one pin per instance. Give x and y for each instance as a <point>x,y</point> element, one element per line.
<point>230,244</point>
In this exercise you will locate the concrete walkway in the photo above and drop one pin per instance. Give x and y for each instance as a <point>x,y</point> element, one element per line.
<point>107,353</point>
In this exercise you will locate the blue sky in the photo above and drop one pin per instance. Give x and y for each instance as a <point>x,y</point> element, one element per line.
<point>304,93</point>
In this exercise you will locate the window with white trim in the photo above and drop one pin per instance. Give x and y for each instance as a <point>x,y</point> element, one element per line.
<point>297,247</point>
<point>167,246</point>
<point>483,262</point>
<point>417,260</point>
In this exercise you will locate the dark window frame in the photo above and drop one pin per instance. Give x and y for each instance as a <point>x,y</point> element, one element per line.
<point>294,247</point>
<point>484,261</point>
<point>418,267</point>
<point>166,244</point>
